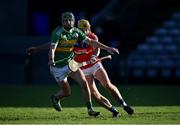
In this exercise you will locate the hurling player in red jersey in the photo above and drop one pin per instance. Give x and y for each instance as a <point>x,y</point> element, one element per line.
<point>95,70</point>
<point>92,71</point>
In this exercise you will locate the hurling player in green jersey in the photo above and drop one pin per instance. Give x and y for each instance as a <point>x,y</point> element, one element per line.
<point>63,40</point>
<point>61,49</point>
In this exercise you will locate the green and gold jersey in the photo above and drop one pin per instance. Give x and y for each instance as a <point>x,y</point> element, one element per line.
<point>65,41</point>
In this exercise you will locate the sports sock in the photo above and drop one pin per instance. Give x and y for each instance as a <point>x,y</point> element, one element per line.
<point>89,106</point>
<point>112,109</point>
<point>122,102</point>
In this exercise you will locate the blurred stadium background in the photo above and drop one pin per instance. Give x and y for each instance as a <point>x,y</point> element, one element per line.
<point>146,32</point>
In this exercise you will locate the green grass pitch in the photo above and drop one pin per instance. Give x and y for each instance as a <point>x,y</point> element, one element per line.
<point>77,115</point>
<point>153,104</point>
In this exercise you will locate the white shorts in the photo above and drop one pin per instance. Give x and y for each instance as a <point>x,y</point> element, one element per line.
<point>92,70</point>
<point>60,74</point>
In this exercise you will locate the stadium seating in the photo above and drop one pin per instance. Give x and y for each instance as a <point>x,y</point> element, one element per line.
<point>159,55</point>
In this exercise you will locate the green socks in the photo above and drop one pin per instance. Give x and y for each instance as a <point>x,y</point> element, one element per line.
<point>89,106</point>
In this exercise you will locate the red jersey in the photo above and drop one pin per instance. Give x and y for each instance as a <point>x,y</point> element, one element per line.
<point>84,51</point>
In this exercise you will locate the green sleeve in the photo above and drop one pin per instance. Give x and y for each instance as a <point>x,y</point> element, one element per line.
<point>82,36</point>
<point>54,36</point>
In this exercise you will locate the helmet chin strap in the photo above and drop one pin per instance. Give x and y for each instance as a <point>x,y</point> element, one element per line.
<point>67,28</point>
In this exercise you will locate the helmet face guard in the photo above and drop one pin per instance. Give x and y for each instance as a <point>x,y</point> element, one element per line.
<point>84,24</point>
<point>67,15</point>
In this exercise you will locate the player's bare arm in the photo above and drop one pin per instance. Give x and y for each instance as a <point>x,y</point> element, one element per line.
<point>36,49</point>
<point>96,53</point>
<point>51,53</point>
<point>97,44</point>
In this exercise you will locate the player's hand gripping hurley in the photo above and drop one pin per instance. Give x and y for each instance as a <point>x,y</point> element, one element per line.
<point>74,66</point>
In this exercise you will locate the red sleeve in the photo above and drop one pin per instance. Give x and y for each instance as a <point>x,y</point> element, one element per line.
<point>93,36</point>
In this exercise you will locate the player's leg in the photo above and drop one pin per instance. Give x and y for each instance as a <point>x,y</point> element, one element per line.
<point>65,90</point>
<point>102,76</point>
<point>100,98</point>
<point>79,77</point>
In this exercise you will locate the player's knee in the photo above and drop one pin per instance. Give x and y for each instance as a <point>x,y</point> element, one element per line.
<point>67,93</point>
<point>96,95</point>
<point>108,86</point>
<point>84,83</point>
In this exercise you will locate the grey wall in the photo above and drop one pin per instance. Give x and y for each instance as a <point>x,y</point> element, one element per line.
<point>13,17</point>
<point>14,68</point>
